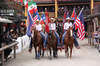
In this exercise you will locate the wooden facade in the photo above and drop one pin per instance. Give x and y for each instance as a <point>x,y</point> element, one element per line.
<point>50,4</point>
<point>92,21</point>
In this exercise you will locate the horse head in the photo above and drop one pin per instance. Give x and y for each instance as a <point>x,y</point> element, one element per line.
<point>70,32</point>
<point>51,38</point>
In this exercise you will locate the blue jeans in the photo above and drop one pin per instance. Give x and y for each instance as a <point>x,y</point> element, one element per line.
<point>75,40</point>
<point>63,37</point>
<point>43,37</point>
<point>58,38</point>
<point>45,41</point>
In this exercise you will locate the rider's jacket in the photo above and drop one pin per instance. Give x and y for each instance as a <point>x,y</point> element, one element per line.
<point>52,26</point>
<point>38,27</point>
<point>67,25</point>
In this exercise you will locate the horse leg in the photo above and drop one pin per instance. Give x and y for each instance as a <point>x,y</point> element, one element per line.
<point>66,51</point>
<point>71,47</point>
<point>42,53</point>
<point>70,53</point>
<point>50,53</point>
<point>38,53</point>
<point>35,53</point>
<point>55,52</point>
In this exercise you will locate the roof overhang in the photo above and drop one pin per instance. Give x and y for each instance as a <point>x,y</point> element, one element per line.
<point>3,20</point>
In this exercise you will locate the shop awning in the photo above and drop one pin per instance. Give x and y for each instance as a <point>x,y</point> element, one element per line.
<point>3,20</point>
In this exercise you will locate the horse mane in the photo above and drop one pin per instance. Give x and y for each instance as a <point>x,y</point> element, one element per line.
<point>68,38</point>
<point>68,32</point>
<point>51,38</point>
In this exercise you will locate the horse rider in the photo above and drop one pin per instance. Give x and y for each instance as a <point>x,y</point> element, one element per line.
<point>52,27</point>
<point>39,28</point>
<point>66,27</point>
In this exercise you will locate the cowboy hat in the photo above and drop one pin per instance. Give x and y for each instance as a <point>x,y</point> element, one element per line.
<point>68,18</point>
<point>52,19</point>
<point>11,30</point>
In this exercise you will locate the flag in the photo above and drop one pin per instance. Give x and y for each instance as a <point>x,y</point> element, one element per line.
<point>32,6</point>
<point>25,3</point>
<point>36,17</point>
<point>21,1</point>
<point>74,16</point>
<point>30,22</point>
<point>43,18</point>
<point>67,15</point>
<point>47,21</point>
<point>64,19</point>
<point>80,23</point>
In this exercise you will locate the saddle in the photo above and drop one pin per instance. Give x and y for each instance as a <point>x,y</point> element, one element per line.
<point>50,34</point>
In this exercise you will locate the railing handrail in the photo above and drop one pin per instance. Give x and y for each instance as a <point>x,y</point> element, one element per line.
<point>7,46</point>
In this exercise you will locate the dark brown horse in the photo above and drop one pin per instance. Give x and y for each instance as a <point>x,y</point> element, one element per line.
<point>68,41</point>
<point>52,44</point>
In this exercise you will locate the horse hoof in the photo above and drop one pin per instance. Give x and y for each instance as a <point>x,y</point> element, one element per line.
<point>37,58</point>
<point>30,50</point>
<point>55,56</point>
<point>99,51</point>
<point>42,56</point>
<point>50,58</point>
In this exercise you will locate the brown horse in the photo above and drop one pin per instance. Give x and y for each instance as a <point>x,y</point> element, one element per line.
<point>37,42</point>
<point>52,44</point>
<point>68,41</point>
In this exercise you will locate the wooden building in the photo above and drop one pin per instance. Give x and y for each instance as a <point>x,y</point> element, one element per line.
<point>69,4</point>
<point>92,20</point>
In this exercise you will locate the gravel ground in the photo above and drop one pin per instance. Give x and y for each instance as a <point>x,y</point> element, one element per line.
<point>85,56</point>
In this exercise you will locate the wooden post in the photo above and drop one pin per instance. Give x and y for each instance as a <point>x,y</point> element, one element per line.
<point>2,61</point>
<point>56,9</point>
<point>92,5</point>
<point>14,51</point>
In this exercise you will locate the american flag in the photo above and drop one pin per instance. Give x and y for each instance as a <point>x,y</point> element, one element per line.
<point>43,18</point>
<point>80,25</point>
<point>36,17</point>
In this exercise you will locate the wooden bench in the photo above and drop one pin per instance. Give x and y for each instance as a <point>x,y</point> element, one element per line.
<point>5,47</point>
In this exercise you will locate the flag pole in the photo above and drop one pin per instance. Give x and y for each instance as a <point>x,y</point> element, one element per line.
<point>80,12</point>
